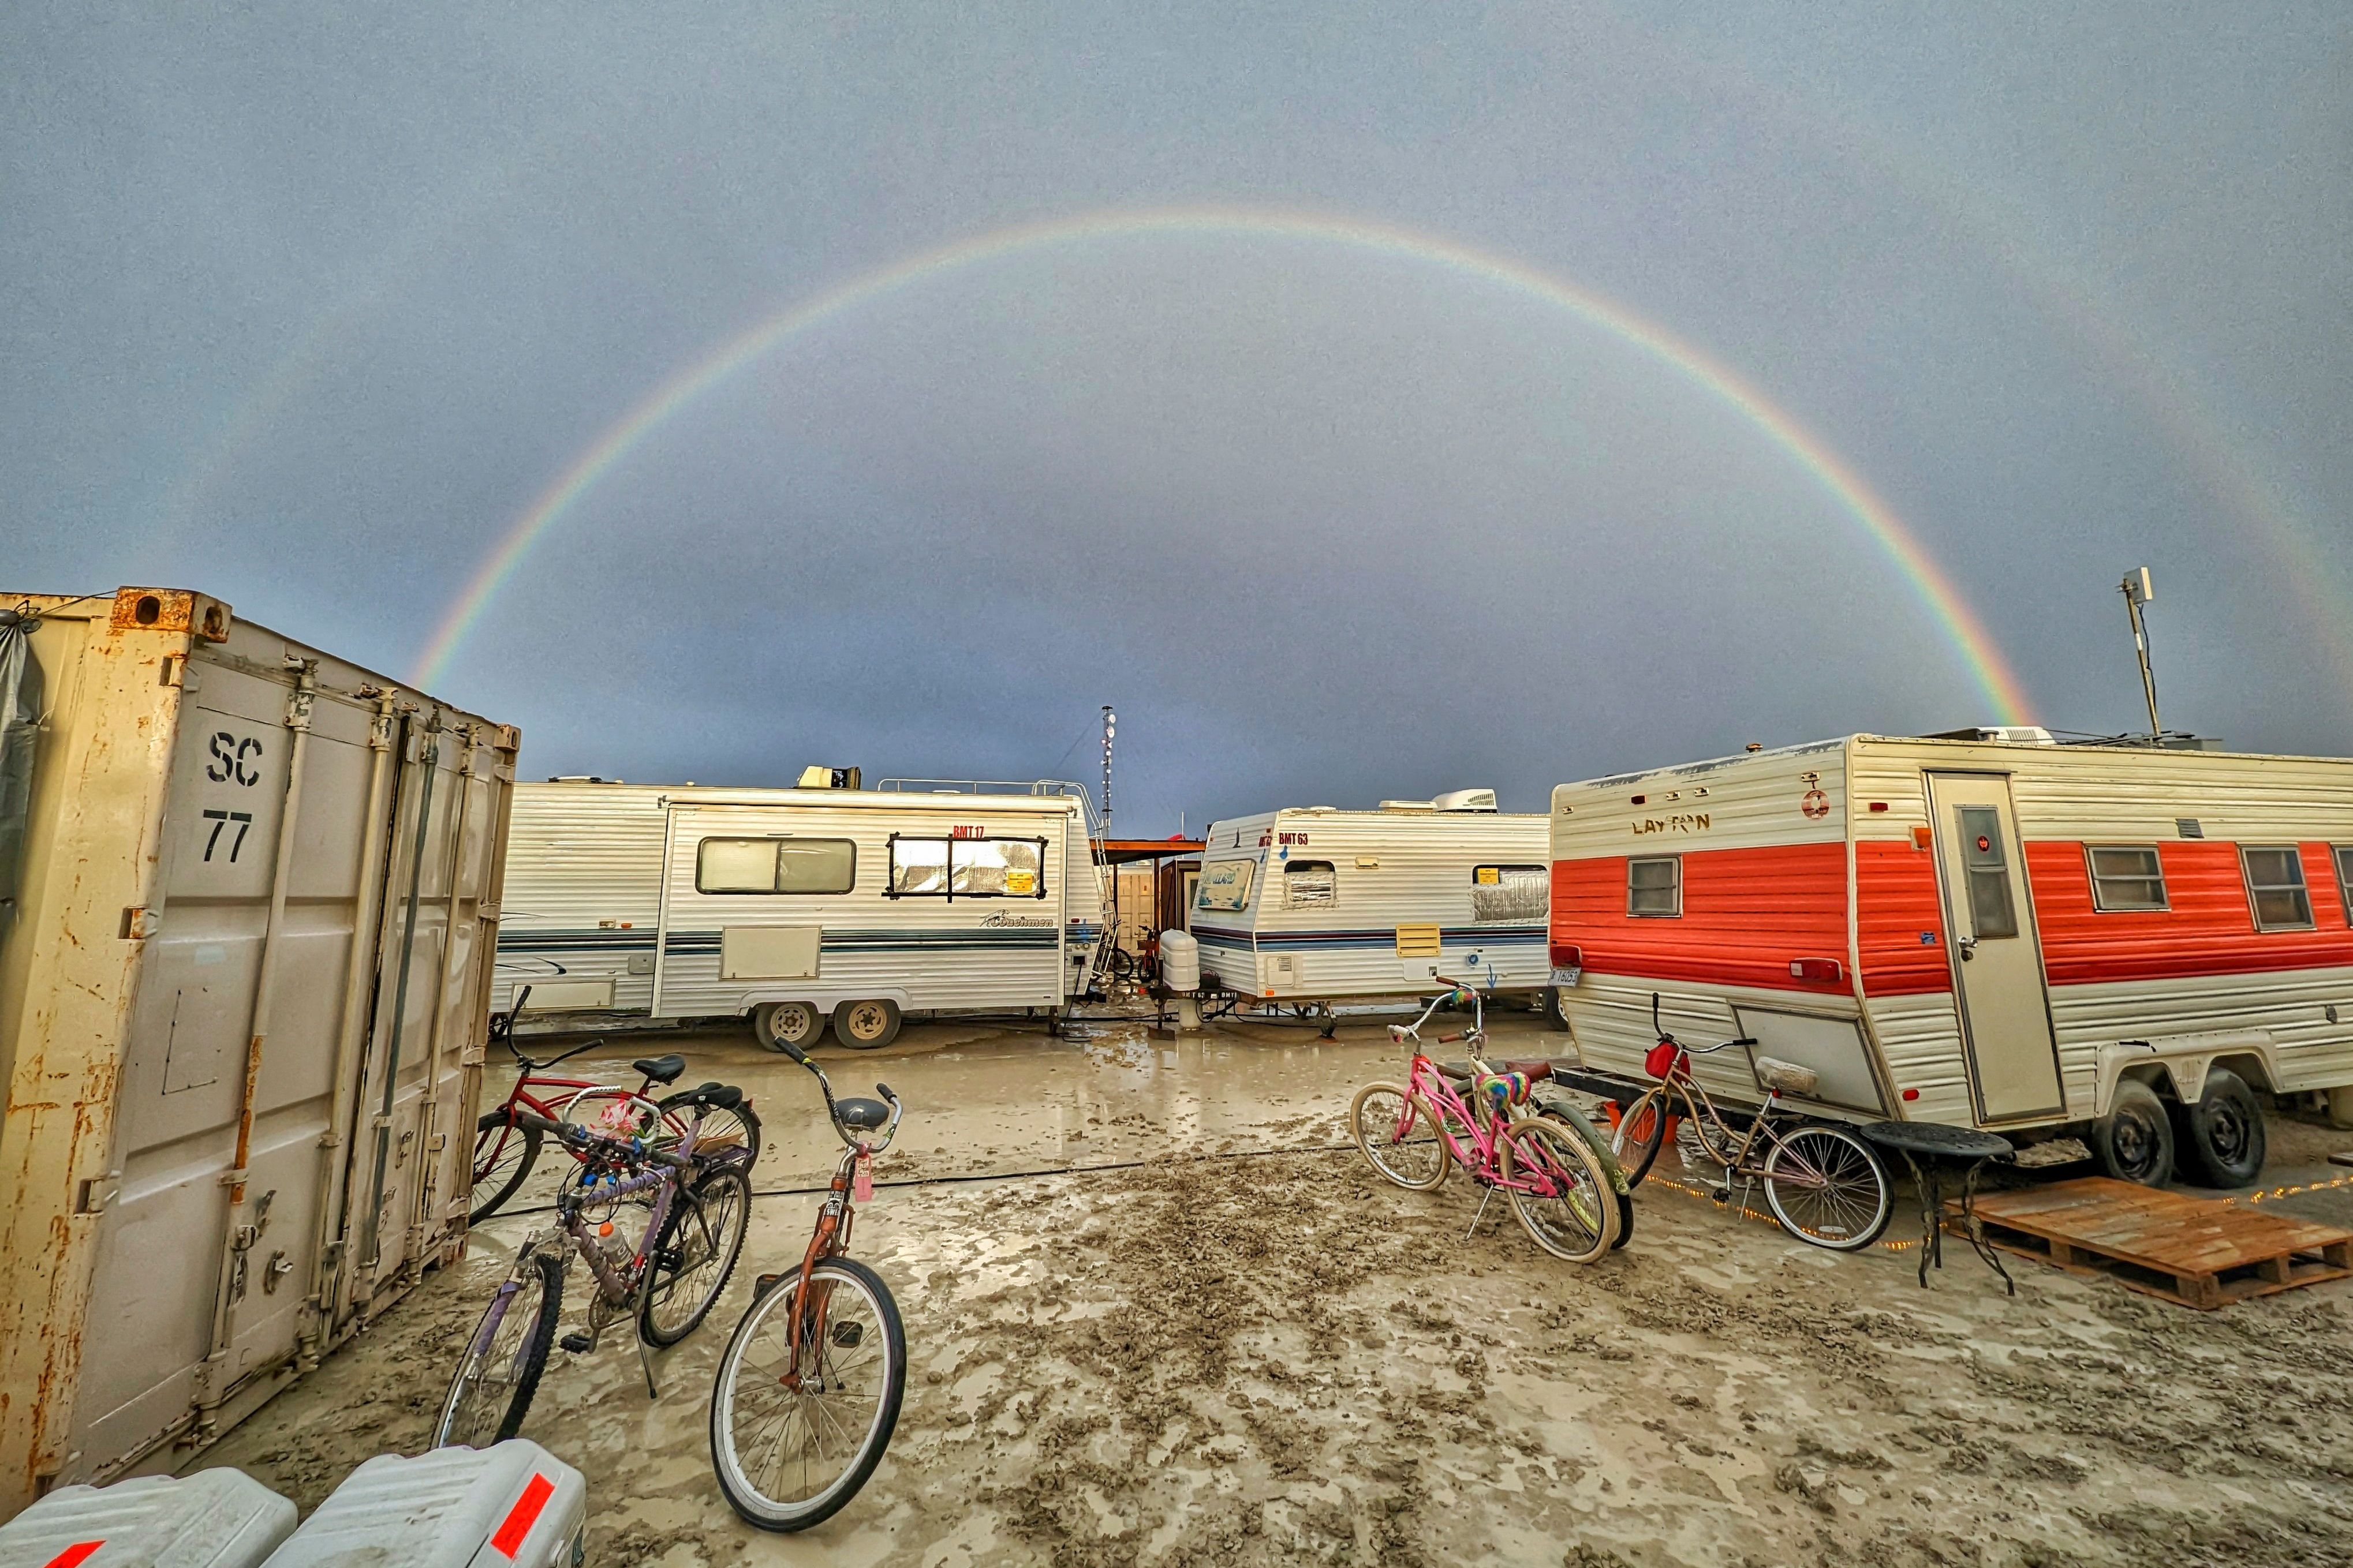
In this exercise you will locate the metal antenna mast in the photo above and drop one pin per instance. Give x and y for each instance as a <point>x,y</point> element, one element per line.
<point>2136,592</point>
<point>1111,728</point>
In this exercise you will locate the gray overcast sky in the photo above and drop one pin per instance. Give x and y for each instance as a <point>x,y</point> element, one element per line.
<point>306,308</point>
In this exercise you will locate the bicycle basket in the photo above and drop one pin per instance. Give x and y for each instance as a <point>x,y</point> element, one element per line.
<point>1667,1060</point>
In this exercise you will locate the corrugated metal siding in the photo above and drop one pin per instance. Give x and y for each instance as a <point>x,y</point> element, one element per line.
<point>1919,1037</point>
<point>1747,913</point>
<point>2310,1051</point>
<point>2209,928</point>
<point>1897,906</point>
<point>583,889</point>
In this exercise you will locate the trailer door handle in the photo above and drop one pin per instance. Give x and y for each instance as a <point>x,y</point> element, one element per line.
<point>1968,946</point>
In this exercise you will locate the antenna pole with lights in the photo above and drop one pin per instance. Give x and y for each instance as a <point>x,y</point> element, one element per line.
<point>1111,728</point>
<point>2136,592</point>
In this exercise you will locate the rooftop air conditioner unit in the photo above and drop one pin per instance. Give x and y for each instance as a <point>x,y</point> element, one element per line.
<point>1465,800</point>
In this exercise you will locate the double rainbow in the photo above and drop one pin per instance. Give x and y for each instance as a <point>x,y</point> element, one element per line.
<point>1935,590</point>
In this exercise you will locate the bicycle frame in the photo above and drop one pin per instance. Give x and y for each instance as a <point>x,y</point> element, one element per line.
<point>615,1288</point>
<point>1490,1139</point>
<point>835,1217</point>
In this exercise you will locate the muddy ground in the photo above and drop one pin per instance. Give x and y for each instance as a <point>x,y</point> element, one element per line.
<point>1250,1349</point>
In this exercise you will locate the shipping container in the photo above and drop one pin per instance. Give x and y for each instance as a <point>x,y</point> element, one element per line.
<point>245,965</point>
<point>1312,903</point>
<point>2125,942</point>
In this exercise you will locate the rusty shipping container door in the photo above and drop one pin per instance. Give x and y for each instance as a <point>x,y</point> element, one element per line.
<point>245,968</point>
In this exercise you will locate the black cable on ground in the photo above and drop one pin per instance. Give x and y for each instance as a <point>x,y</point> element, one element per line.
<point>1038,1174</point>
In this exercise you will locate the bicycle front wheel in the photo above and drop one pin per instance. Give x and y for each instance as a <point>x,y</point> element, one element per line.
<point>1827,1187</point>
<point>694,1255</point>
<point>500,1371</point>
<point>1399,1136</point>
<point>802,1410</point>
<point>1568,1207</point>
<point>1640,1133</point>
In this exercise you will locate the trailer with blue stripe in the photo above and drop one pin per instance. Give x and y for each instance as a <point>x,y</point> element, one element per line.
<point>799,908</point>
<point>1314,904</point>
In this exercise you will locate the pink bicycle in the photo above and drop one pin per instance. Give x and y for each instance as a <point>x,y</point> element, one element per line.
<point>1470,1115</point>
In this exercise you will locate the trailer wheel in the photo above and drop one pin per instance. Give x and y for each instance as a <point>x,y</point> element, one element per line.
<point>1548,1005</point>
<point>776,1025</point>
<point>2221,1136</point>
<point>866,1026</point>
<point>2135,1139</point>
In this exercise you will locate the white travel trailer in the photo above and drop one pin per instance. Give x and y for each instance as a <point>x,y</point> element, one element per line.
<point>798,907</point>
<point>1312,903</point>
<point>2127,942</point>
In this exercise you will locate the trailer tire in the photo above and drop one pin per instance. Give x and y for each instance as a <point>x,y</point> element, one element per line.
<point>2221,1138</point>
<point>1548,1005</point>
<point>2134,1140</point>
<point>866,1026</point>
<point>776,1025</point>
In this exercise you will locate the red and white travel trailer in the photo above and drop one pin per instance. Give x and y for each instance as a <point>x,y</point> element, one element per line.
<point>2125,943</point>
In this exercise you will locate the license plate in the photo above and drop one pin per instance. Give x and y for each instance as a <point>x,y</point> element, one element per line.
<point>1565,976</point>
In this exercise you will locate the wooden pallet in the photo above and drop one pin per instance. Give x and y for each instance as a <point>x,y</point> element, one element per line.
<point>2201,1252</point>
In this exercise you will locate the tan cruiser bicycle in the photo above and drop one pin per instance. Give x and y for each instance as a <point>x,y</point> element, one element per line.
<point>1825,1184</point>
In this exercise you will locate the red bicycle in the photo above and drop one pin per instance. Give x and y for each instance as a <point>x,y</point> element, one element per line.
<point>507,1142</point>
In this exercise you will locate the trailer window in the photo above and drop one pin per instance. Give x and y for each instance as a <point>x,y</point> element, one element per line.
<point>2345,879</point>
<point>1985,861</point>
<point>1510,893</point>
<point>967,868</point>
<point>1225,885</point>
<point>1309,884</point>
<point>2126,877</point>
<point>775,866</point>
<point>2275,887</point>
<point>1654,886</point>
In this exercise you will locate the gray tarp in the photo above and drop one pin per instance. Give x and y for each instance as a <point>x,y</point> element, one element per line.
<point>20,720</point>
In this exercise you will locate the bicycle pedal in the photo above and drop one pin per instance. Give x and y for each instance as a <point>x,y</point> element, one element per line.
<point>1719,1195</point>
<point>764,1284</point>
<point>578,1343</point>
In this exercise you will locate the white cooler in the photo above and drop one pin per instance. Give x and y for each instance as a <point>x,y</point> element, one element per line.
<point>214,1518</point>
<point>512,1505</point>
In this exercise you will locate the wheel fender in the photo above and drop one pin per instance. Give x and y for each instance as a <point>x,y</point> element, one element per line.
<point>2185,1060</point>
<point>1560,1110</point>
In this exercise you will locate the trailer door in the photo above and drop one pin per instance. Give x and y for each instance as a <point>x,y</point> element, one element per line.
<point>1997,958</point>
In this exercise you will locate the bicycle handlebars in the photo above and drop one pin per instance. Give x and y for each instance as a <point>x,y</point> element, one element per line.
<point>890,1130</point>
<point>630,1149</point>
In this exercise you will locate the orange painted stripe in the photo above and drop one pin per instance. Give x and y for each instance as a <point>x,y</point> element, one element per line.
<point>2209,929</point>
<point>1748,914</point>
<point>522,1516</point>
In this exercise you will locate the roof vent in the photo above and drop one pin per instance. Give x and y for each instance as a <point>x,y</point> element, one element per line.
<point>821,777</point>
<point>1422,806</point>
<point>1465,800</point>
<point>2015,734</point>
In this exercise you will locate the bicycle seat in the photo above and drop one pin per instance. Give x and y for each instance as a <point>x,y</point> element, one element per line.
<point>718,1096</point>
<point>865,1115</point>
<point>1787,1077</point>
<point>1532,1071</point>
<point>660,1069</point>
